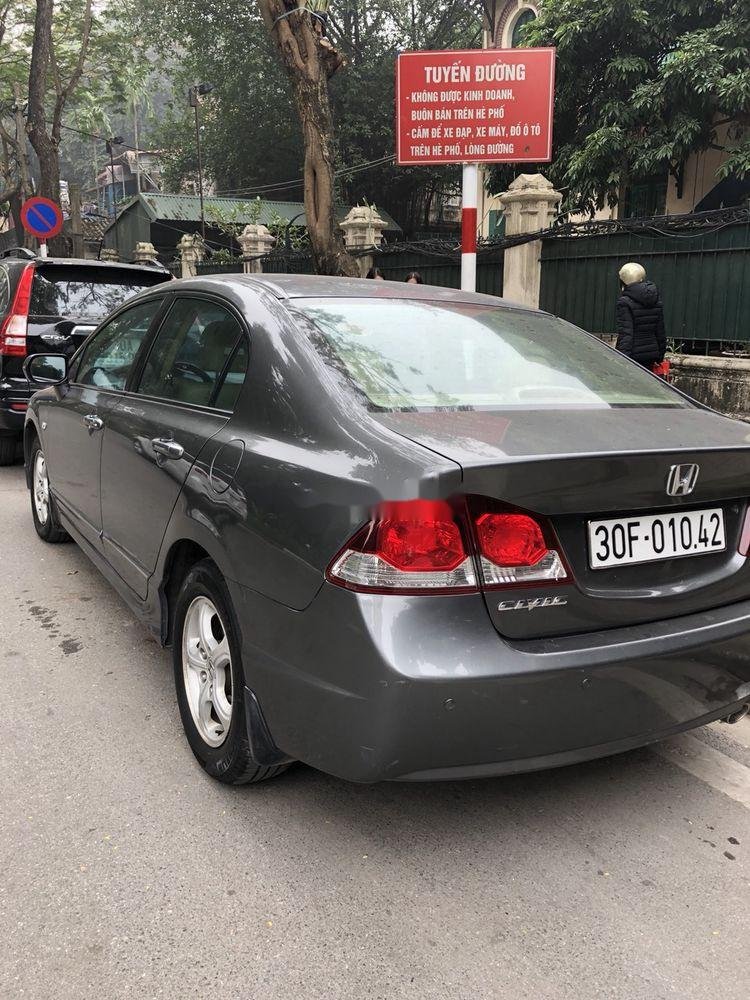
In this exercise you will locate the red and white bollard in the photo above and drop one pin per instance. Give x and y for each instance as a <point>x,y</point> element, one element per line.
<point>470,184</point>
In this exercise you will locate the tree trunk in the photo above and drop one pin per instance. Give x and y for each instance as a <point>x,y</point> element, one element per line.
<point>46,141</point>
<point>44,146</point>
<point>309,61</point>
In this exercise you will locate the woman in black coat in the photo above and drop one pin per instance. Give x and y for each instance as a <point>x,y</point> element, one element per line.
<point>640,318</point>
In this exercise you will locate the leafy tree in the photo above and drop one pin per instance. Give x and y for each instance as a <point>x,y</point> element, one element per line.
<point>250,130</point>
<point>58,59</point>
<point>66,68</point>
<point>310,60</point>
<point>643,85</point>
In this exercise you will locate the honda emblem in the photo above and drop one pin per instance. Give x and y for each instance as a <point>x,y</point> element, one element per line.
<point>682,479</point>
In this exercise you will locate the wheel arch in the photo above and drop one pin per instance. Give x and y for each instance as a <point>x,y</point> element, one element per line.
<point>30,431</point>
<point>181,556</point>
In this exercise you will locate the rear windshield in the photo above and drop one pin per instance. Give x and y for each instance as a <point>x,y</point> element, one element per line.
<point>424,355</point>
<point>80,292</point>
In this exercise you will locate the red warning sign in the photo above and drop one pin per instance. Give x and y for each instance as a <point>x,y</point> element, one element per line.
<point>475,106</point>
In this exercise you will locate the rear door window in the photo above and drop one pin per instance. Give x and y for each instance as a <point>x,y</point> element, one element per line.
<point>108,357</point>
<point>85,293</point>
<point>199,356</point>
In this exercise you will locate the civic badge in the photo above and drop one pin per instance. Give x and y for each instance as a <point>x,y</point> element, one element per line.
<point>682,479</point>
<point>532,603</point>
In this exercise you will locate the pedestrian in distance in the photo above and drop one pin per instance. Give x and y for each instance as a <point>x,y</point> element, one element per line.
<point>376,274</point>
<point>640,319</point>
<point>414,278</point>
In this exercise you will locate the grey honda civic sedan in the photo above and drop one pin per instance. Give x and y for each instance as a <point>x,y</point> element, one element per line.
<point>400,532</point>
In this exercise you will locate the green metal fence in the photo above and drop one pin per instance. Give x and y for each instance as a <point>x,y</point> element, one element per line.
<point>436,268</point>
<point>704,277</point>
<point>443,270</point>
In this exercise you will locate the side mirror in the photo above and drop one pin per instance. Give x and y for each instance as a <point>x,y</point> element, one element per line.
<point>46,369</point>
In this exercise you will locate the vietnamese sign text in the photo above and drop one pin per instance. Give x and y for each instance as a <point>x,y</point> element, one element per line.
<point>480,105</point>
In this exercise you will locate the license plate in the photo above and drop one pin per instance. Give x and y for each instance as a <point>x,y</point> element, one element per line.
<point>653,537</point>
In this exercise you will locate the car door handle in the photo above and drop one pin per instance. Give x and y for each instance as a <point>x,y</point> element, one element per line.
<point>167,447</point>
<point>93,422</point>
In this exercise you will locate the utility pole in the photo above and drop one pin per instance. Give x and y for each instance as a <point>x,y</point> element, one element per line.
<point>137,147</point>
<point>116,139</point>
<point>195,93</point>
<point>76,224</point>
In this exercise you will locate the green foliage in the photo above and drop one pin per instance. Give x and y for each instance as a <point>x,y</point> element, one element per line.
<point>116,75</point>
<point>250,131</point>
<point>642,85</point>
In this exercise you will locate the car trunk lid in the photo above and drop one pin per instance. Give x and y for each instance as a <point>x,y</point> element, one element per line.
<point>574,466</point>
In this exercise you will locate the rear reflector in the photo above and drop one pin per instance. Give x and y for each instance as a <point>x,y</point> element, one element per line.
<point>20,407</point>
<point>417,546</point>
<point>15,325</point>
<point>410,545</point>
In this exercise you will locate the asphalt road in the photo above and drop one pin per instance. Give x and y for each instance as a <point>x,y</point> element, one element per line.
<point>126,873</point>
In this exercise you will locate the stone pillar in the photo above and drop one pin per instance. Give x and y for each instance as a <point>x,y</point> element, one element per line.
<point>530,204</point>
<point>191,251</point>
<point>363,230</point>
<point>145,253</point>
<point>255,242</point>
<point>109,254</point>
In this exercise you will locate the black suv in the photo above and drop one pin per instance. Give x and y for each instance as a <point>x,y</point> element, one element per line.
<point>50,304</point>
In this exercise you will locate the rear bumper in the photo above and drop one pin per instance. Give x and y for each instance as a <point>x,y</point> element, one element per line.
<point>418,688</point>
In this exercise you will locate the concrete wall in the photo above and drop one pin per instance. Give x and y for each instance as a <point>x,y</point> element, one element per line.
<point>721,383</point>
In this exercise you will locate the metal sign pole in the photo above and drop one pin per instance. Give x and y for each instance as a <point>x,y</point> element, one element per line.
<point>470,185</point>
<point>42,248</point>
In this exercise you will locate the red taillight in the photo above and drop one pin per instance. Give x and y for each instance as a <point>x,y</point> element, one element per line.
<point>15,325</point>
<point>410,545</point>
<point>418,536</point>
<point>510,539</point>
<point>425,545</point>
<point>513,550</point>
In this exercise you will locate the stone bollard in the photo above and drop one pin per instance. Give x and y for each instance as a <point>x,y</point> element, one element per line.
<point>145,253</point>
<point>109,254</point>
<point>191,251</point>
<point>530,204</point>
<point>255,242</point>
<point>363,229</point>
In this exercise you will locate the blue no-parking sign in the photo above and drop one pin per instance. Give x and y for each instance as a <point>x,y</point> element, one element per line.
<point>41,217</point>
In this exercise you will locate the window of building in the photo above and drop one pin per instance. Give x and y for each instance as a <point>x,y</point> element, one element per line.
<point>525,17</point>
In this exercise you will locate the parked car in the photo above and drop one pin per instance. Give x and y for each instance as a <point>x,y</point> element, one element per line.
<point>52,304</point>
<point>400,532</point>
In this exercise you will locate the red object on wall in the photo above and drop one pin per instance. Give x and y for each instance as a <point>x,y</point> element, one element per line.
<point>475,106</point>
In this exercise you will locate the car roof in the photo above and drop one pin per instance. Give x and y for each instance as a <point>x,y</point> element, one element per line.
<point>83,262</point>
<point>304,286</point>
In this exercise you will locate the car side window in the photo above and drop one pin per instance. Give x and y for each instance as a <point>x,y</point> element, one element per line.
<point>109,355</point>
<point>189,358</point>
<point>234,378</point>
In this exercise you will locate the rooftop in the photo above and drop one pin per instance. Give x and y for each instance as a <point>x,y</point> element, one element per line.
<point>186,208</point>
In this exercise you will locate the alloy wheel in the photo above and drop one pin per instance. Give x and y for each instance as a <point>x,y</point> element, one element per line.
<point>207,671</point>
<point>41,489</point>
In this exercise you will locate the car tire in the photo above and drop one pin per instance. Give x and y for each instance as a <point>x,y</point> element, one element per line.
<point>43,506</point>
<point>210,681</point>
<point>8,448</point>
